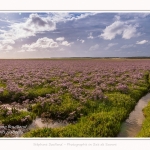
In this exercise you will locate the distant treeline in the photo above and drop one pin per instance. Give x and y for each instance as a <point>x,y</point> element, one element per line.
<point>102,57</point>
<point>106,58</point>
<point>137,57</point>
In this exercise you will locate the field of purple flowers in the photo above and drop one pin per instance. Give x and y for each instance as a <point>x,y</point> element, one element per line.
<point>93,95</point>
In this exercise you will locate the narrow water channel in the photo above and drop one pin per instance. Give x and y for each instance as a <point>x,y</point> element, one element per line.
<point>133,124</point>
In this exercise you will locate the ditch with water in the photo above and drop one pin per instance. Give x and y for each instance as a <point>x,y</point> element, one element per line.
<point>133,123</point>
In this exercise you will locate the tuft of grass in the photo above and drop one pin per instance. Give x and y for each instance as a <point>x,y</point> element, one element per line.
<point>16,117</point>
<point>40,91</point>
<point>145,131</point>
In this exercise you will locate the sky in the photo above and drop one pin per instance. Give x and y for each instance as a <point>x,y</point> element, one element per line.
<point>74,34</point>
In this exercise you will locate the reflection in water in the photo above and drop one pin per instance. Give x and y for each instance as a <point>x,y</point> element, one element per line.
<point>133,124</point>
<point>39,123</point>
<point>10,107</point>
<point>18,131</point>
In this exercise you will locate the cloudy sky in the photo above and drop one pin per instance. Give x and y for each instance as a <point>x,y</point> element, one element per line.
<point>74,34</point>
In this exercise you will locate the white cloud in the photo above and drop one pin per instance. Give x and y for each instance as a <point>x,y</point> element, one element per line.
<point>5,44</point>
<point>110,45</point>
<point>65,16</point>
<point>66,43</point>
<point>5,47</point>
<point>119,28</point>
<point>117,17</point>
<point>60,39</point>
<point>42,43</point>
<point>82,41</point>
<point>129,32</point>
<point>127,46</point>
<point>2,31</point>
<point>95,47</point>
<point>33,25</point>
<point>141,15</point>
<point>2,20</point>
<point>141,42</point>
<point>84,15</point>
<point>90,36</point>
<point>58,17</point>
<point>7,41</point>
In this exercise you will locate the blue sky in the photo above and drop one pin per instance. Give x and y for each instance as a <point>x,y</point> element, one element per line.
<point>74,34</point>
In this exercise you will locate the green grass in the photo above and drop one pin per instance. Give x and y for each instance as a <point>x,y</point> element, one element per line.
<point>66,106</point>
<point>15,118</point>
<point>30,93</point>
<point>145,131</point>
<point>39,91</point>
<point>2,84</point>
<point>5,96</point>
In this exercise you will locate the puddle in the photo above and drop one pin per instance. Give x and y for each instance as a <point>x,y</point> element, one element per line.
<point>39,123</point>
<point>18,107</point>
